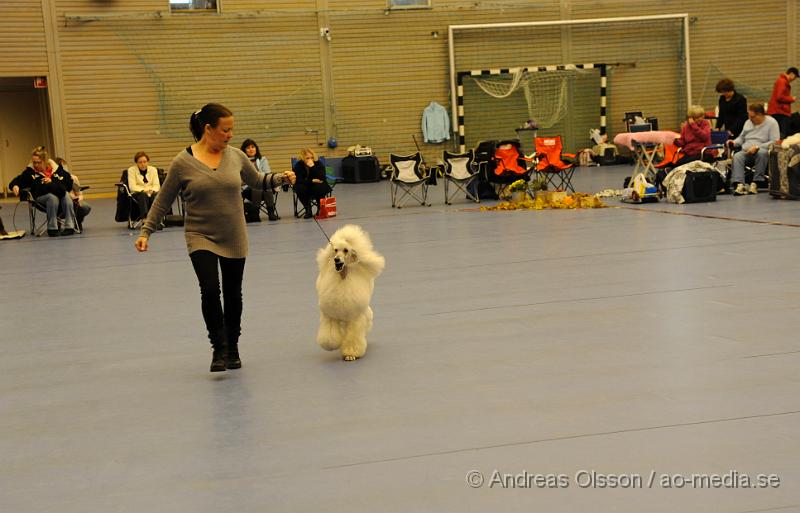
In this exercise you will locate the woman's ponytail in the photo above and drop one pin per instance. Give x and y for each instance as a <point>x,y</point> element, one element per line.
<point>210,114</point>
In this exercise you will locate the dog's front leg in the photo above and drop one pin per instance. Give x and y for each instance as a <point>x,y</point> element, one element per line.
<point>354,343</point>
<point>329,336</point>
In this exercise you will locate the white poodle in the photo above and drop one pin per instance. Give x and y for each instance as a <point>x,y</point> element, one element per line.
<point>347,270</point>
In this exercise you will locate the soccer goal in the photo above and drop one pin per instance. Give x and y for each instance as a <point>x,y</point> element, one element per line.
<point>546,90</point>
<point>569,76</point>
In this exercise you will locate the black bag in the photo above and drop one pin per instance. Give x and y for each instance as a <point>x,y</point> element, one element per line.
<point>360,169</point>
<point>700,186</point>
<point>482,189</point>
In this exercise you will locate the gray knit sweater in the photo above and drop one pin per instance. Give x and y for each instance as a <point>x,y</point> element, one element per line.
<point>214,212</point>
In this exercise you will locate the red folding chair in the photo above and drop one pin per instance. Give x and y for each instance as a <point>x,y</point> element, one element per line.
<point>509,162</point>
<point>552,166</point>
<point>671,155</point>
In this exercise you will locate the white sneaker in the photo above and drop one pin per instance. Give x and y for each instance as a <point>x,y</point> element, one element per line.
<point>740,190</point>
<point>753,189</point>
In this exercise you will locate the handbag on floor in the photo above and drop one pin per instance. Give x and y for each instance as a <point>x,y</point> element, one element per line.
<point>700,186</point>
<point>327,208</point>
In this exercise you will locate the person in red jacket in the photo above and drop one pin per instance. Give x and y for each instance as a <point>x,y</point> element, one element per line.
<point>780,103</point>
<point>695,135</point>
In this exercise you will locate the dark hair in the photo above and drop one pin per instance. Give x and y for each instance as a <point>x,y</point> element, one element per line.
<point>60,161</point>
<point>756,108</point>
<point>793,70</point>
<point>208,115</point>
<point>250,142</point>
<point>140,154</point>
<point>725,86</point>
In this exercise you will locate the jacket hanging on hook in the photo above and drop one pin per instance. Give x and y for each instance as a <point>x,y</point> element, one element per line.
<point>435,124</point>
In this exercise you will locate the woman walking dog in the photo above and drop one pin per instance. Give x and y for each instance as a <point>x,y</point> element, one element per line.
<point>210,174</point>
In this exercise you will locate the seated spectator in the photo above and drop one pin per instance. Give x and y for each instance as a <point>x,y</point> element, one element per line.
<point>48,183</point>
<point>250,148</point>
<point>780,103</point>
<point>143,183</point>
<point>311,183</point>
<point>732,108</point>
<point>758,133</point>
<point>81,208</point>
<point>695,135</point>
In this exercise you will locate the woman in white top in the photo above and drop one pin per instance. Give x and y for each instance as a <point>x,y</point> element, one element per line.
<point>143,183</point>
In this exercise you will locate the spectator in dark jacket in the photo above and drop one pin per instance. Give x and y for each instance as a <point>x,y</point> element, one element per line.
<point>311,182</point>
<point>48,183</point>
<point>732,108</point>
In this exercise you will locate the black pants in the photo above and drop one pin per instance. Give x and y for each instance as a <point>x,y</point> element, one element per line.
<point>81,209</point>
<point>143,201</point>
<point>305,192</point>
<point>205,265</point>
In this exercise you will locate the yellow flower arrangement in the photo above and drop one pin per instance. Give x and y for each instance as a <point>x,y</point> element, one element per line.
<point>518,186</point>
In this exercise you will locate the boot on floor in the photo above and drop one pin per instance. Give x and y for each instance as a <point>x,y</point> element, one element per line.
<point>219,346</point>
<point>232,361</point>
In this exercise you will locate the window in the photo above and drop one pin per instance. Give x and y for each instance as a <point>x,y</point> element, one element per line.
<point>409,4</point>
<point>193,5</point>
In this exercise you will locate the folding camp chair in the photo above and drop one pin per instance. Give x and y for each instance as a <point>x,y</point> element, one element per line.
<point>460,170</point>
<point>127,208</point>
<point>35,208</point>
<point>410,176</point>
<point>255,201</point>
<point>551,165</point>
<point>299,209</point>
<point>671,155</point>
<point>719,147</point>
<point>509,164</point>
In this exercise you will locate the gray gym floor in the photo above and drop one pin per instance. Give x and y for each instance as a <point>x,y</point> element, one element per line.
<point>637,342</point>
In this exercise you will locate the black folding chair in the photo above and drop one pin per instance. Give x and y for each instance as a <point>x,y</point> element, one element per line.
<point>461,170</point>
<point>410,177</point>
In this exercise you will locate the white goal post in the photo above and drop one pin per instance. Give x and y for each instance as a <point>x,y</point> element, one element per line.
<point>456,76</point>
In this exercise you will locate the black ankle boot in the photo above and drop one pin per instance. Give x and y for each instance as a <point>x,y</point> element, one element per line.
<point>272,214</point>
<point>220,350</point>
<point>232,361</point>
